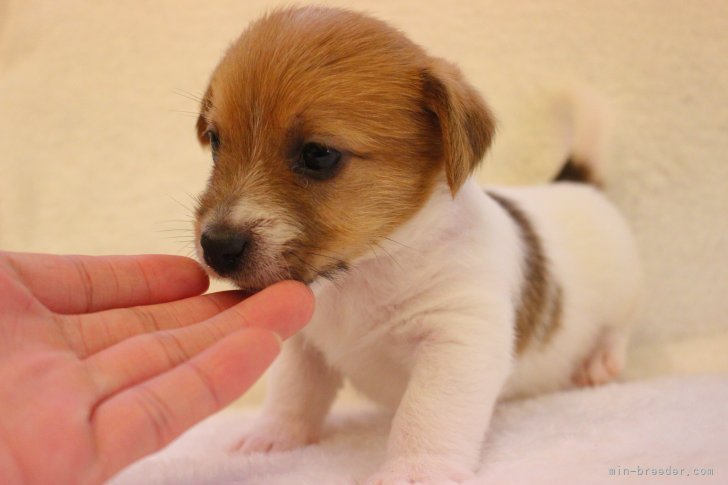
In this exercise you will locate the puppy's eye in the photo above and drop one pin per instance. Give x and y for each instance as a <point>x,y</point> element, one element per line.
<point>214,142</point>
<point>318,161</point>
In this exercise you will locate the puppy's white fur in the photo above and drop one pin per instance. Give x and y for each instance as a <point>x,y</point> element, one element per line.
<point>423,324</point>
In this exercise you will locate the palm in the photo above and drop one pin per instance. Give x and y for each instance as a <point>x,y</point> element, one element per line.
<point>54,379</point>
<point>91,385</point>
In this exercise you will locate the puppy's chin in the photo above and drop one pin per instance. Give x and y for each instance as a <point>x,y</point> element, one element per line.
<point>254,280</point>
<point>253,283</point>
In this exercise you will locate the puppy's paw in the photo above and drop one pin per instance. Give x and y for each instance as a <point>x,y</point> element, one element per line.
<point>604,364</point>
<point>421,470</point>
<point>275,435</point>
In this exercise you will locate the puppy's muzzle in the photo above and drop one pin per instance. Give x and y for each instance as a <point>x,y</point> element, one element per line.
<point>224,250</point>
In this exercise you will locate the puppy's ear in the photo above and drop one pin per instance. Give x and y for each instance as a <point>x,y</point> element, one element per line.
<point>201,125</point>
<point>466,124</point>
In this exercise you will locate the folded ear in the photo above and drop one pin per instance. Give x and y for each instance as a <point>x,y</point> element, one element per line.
<point>466,124</point>
<point>202,123</point>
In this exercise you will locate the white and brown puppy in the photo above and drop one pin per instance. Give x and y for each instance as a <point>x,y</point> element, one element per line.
<point>342,155</point>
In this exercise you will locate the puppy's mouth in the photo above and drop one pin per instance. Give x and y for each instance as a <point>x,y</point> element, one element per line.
<point>243,258</point>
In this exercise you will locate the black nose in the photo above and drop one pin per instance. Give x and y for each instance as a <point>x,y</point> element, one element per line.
<point>224,249</point>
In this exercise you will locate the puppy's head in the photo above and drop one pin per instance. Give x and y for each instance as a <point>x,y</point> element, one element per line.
<point>328,130</point>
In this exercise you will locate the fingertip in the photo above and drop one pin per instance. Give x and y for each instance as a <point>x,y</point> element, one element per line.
<point>300,301</point>
<point>263,339</point>
<point>283,308</point>
<point>301,296</point>
<point>181,272</point>
<point>193,271</point>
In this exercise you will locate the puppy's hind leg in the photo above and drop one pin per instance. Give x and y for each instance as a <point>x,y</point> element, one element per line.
<point>606,359</point>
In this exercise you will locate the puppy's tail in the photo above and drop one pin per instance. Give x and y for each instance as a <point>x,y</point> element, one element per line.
<point>589,127</point>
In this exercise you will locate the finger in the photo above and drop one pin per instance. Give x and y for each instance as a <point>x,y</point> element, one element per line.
<point>92,332</point>
<point>15,299</point>
<point>83,284</point>
<point>283,308</point>
<point>145,418</point>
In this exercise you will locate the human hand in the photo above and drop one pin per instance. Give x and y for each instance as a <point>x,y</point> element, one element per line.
<point>106,359</point>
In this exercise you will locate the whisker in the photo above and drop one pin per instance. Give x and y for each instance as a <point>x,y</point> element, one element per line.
<point>188,209</point>
<point>397,242</point>
<point>173,229</point>
<point>332,258</point>
<point>180,229</point>
<point>186,239</point>
<point>168,221</point>
<point>336,257</point>
<point>187,94</point>
<point>184,112</point>
<point>316,251</point>
<point>389,255</point>
<point>196,199</point>
<point>184,246</point>
<point>308,265</point>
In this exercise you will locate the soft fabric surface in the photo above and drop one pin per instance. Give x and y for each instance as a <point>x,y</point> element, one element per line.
<point>571,437</point>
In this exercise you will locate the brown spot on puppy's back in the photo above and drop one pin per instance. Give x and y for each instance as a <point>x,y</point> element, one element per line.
<point>538,315</point>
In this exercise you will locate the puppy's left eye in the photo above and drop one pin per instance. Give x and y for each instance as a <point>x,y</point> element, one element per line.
<point>214,142</point>
<point>318,161</point>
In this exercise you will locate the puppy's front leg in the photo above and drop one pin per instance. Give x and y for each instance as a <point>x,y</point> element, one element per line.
<point>440,424</point>
<point>301,389</point>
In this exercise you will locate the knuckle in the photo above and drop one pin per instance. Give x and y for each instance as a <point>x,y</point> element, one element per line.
<point>173,349</point>
<point>158,414</point>
<point>207,385</point>
<point>145,318</point>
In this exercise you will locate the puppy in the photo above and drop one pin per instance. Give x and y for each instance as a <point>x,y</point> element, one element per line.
<point>342,155</point>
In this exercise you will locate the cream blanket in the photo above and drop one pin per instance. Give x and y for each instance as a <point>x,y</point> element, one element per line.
<point>654,431</point>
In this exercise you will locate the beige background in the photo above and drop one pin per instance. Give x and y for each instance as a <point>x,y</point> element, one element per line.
<point>97,153</point>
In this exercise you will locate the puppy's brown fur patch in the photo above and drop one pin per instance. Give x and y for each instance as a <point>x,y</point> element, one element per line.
<point>538,315</point>
<point>337,78</point>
